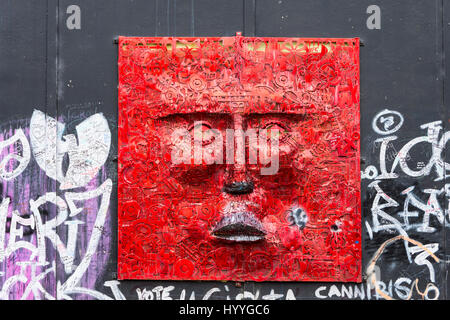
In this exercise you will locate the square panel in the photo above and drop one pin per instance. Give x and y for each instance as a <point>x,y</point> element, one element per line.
<point>239,159</point>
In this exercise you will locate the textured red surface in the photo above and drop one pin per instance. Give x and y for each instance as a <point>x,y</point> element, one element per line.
<point>306,88</point>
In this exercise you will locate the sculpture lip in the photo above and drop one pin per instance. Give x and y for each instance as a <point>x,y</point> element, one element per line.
<point>239,227</point>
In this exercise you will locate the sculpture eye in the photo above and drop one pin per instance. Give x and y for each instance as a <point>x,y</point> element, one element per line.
<point>282,134</point>
<point>201,131</point>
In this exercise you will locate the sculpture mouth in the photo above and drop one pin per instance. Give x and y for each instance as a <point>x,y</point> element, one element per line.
<point>239,227</point>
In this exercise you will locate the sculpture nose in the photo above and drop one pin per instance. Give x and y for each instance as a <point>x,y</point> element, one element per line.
<point>237,182</point>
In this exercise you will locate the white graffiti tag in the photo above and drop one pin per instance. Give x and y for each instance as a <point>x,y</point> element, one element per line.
<point>22,159</point>
<point>30,243</point>
<point>85,156</point>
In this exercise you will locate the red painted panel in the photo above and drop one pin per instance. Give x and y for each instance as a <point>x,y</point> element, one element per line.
<point>228,220</point>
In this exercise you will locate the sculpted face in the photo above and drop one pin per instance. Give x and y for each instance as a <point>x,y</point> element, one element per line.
<point>239,159</point>
<point>244,164</point>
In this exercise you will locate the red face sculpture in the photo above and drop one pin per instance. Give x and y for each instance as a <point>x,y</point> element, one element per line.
<point>239,159</point>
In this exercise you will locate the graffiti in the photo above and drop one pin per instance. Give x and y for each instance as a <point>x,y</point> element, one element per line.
<point>417,214</point>
<point>427,250</point>
<point>406,210</point>
<point>401,288</point>
<point>85,157</point>
<point>382,221</point>
<point>34,243</point>
<point>391,121</point>
<point>22,155</point>
<point>223,292</point>
<point>105,191</point>
<point>435,161</point>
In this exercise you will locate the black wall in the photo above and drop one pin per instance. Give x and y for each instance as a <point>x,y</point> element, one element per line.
<point>73,74</point>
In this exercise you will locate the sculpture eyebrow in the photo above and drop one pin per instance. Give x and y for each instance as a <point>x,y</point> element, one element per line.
<point>294,116</point>
<point>187,114</point>
<point>224,114</point>
<point>277,113</point>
